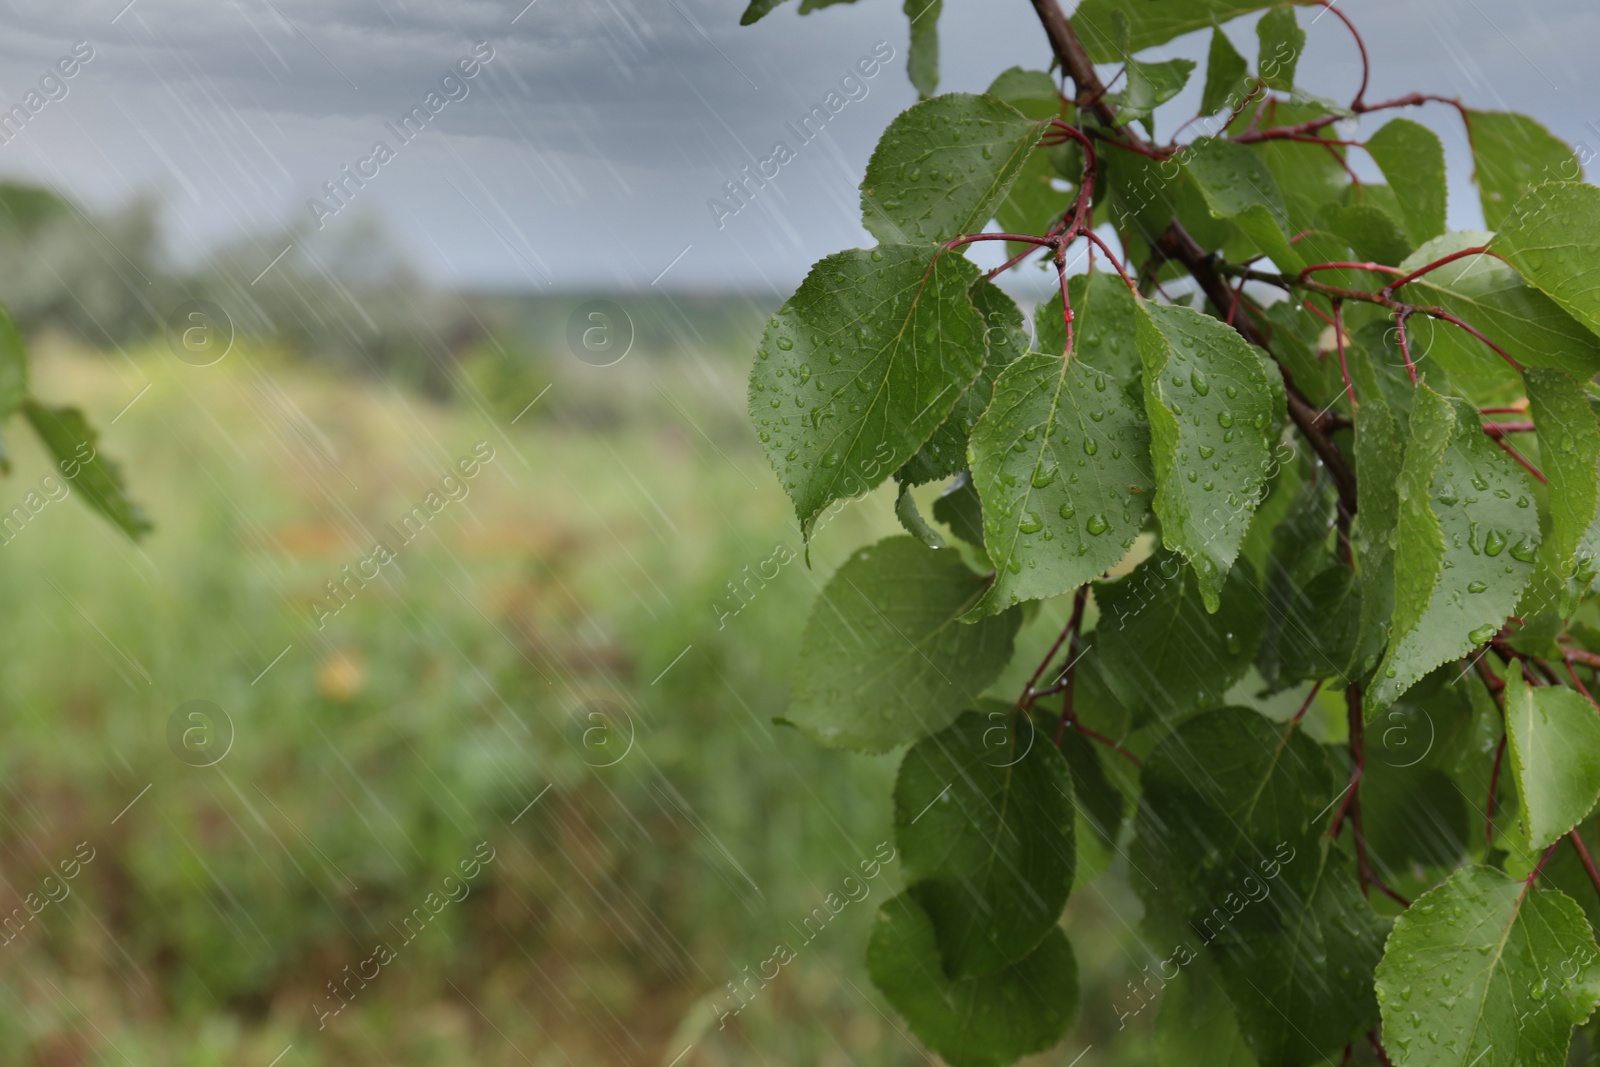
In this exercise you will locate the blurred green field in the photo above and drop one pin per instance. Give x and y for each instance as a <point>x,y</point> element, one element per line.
<point>674,837</point>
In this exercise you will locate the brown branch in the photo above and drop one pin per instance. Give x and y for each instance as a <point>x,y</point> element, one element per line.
<point>1074,60</point>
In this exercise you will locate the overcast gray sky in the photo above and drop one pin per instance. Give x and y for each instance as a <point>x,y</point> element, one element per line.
<point>585,150</point>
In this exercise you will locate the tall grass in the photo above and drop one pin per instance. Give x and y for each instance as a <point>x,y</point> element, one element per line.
<point>645,856</point>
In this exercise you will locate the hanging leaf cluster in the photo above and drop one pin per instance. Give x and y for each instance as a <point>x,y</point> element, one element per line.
<point>1288,451</point>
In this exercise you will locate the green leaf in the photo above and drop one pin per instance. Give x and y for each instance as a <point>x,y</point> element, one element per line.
<point>911,520</point>
<point>1569,455</point>
<point>1310,178</point>
<point>1299,554</point>
<point>922,59</point>
<point>1215,403</point>
<point>1238,186</point>
<point>1321,628</point>
<point>883,661</point>
<point>1147,194</point>
<point>1553,237</point>
<point>1034,204</point>
<point>988,1021</point>
<point>1149,86</point>
<point>945,453</point>
<point>1202,654</point>
<point>943,167</point>
<point>1196,1024</point>
<point>1227,76</point>
<point>1411,157</point>
<point>1061,458</point>
<point>1486,972</point>
<point>1282,41</point>
<point>984,820</point>
<point>1379,452</point>
<point>959,509</point>
<point>1297,336</point>
<point>1032,92</point>
<point>1530,326</point>
<point>1554,736</point>
<point>1283,490</point>
<point>1150,24</point>
<point>1099,801</point>
<point>70,439</point>
<point>758,10</point>
<point>1413,815</point>
<point>1465,544</point>
<point>1511,154</point>
<point>1097,346</point>
<point>1374,234</point>
<point>13,367</point>
<point>1229,849</point>
<point>1565,871</point>
<point>861,366</point>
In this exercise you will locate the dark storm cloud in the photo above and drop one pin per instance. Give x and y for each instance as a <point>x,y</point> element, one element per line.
<point>587,150</point>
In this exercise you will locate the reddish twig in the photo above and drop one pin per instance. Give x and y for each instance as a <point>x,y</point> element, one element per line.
<point>1375,267</point>
<point>1578,682</point>
<point>1301,714</point>
<point>1104,740</point>
<point>1405,343</point>
<point>1427,268</point>
<point>1576,841</point>
<point>1494,789</point>
<point>1533,875</point>
<point>1095,239</point>
<point>1361,46</point>
<point>1338,340</point>
<point>1500,429</point>
<point>1583,656</point>
<point>1069,673</point>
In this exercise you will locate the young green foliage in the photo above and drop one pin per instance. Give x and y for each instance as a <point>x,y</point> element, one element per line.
<point>1215,404</point>
<point>1467,539</point>
<point>986,1021</point>
<point>860,367</point>
<point>1302,433</point>
<point>943,167</point>
<point>984,827</point>
<point>71,440</point>
<point>1551,233</point>
<point>1061,459</point>
<point>1412,160</point>
<point>1554,737</point>
<point>883,660</point>
<point>1485,971</point>
<point>1512,154</point>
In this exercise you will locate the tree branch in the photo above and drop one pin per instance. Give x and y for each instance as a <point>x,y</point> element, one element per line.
<point>1074,60</point>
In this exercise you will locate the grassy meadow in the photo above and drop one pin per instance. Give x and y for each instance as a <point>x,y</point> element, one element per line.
<point>547,685</point>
